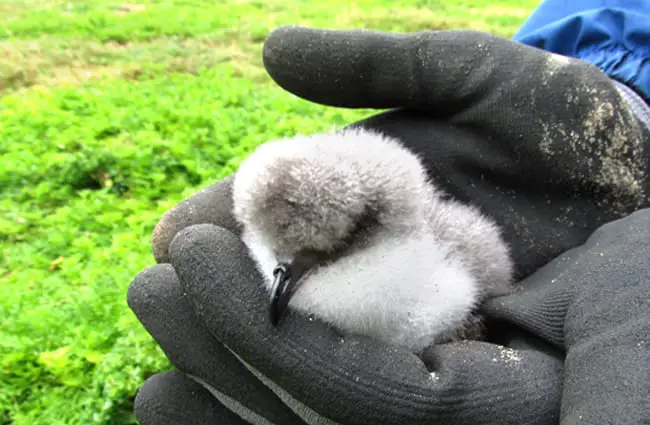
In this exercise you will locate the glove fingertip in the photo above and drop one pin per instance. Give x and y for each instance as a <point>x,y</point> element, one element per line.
<point>283,45</point>
<point>139,293</point>
<point>333,67</point>
<point>185,242</point>
<point>212,205</point>
<point>173,398</point>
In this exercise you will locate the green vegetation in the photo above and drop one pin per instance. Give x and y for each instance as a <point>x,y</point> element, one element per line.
<point>110,113</point>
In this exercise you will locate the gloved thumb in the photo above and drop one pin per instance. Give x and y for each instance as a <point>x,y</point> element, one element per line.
<point>442,72</point>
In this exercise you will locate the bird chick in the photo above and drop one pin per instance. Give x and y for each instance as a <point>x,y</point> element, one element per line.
<point>347,227</point>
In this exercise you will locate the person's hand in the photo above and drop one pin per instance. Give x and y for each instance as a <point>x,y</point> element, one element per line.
<point>545,145</point>
<point>208,312</point>
<point>206,306</point>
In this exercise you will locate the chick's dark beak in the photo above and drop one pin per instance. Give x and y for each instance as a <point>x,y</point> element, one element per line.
<point>287,278</point>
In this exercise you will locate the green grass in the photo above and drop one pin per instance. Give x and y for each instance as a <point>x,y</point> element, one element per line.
<point>110,113</point>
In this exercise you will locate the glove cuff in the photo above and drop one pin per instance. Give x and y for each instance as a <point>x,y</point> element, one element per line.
<point>635,102</point>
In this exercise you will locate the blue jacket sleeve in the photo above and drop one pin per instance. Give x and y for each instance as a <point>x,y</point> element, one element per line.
<point>613,35</point>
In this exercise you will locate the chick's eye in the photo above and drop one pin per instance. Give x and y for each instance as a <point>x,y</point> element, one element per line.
<point>289,200</point>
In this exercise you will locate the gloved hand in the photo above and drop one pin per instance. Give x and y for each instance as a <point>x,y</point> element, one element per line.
<point>546,145</point>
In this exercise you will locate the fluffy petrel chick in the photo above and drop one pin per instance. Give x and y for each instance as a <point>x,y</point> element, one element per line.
<point>347,227</point>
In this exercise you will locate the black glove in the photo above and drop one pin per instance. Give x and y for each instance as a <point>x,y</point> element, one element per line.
<point>545,145</point>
